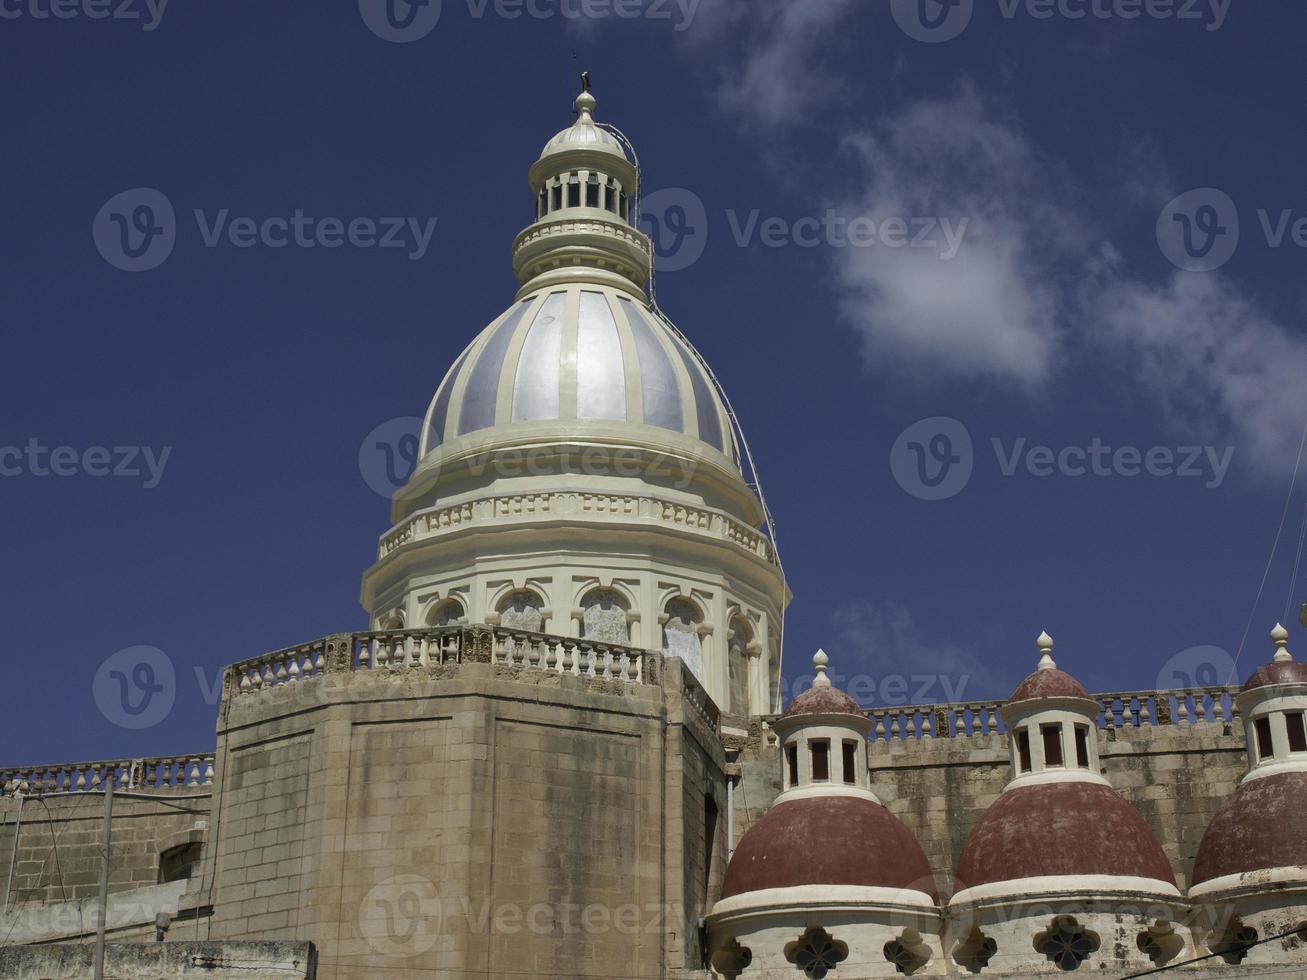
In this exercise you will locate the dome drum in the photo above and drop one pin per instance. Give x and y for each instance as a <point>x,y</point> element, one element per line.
<point>594,245</point>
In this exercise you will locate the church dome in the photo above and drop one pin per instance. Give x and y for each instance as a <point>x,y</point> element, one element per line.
<point>1260,827</point>
<point>580,362</point>
<point>1061,829</point>
<point>584,134</point>
<point>828,840</point>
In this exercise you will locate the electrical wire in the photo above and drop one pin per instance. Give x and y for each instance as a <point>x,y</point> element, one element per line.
<point>1297,564</point>
<point>1297,931</point>
<point>1293,481</point>
<point>737,430</point>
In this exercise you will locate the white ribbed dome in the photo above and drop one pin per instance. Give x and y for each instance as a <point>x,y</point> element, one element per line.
<point>584,134</point>
<point>580,362</point>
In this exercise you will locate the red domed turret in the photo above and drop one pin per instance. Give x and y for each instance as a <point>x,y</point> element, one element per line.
<point>1059,817</point>
<point>1261,828</point>
<point>828,840</point>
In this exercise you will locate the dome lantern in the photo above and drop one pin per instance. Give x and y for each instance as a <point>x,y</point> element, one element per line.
<point>586,189</point>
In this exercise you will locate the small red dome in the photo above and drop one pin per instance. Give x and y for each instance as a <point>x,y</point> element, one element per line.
<point>1048,684</point>
<point>1064,828</point>
<point>1260,826</point>
<point>822,701</point>
<point>828,840</point>
<point>1285,672</point>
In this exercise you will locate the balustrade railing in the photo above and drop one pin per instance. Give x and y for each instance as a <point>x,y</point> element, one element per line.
<point>400,649</point>
<point>137,775</point>
<point>1118,711</point>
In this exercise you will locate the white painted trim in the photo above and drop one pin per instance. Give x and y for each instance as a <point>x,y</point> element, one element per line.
<point>825,898</point>
<point>1249,882</point>
<point>1058,775</point>
<point>810,791</point>
<point>1290,764</point>
<point>1074,887</point>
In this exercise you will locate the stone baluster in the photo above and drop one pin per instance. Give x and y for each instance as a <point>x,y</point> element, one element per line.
<point>1145,717</point>
<point>81,779</point>
<point>208,771</point>
<point>319,660</point>
<point>1200,707</point>
<point>894,733</point>
<point>551,657</point>
<point>632,667</point>
<point>533,650</point>
<point>281,670</point>
<point>294,673</point>
<point>1181,708</point>
<point>1218,708</point>
<point>926,726</point>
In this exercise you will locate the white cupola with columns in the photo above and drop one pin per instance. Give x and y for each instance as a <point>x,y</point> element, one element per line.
<point>1061,872</point>
<point>828,881</point>
<point>1249,881</point>
<point>579,472</point>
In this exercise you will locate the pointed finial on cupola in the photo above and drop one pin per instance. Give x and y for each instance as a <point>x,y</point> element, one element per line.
<point>1280,637</point>
<point>585,102</point>
<point>1045,643</point>
<point>819,662</point>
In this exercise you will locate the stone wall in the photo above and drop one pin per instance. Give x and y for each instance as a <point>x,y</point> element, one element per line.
<point>59,842</point>
<point>470,817</point>
<point>162,961</point>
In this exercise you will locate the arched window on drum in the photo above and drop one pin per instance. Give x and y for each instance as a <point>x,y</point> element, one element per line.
<point>604,617</point>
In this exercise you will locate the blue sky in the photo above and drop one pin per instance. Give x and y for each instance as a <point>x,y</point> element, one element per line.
<point>1031,155</point>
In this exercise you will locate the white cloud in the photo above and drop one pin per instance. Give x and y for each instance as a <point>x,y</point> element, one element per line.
<point>1036,280</point>
<point>779,72</point>
<point>1216,361</point>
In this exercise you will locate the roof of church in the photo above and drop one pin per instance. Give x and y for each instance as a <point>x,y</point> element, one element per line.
<point>828,840</point>
<point>1260,827</point>
<point>1061,828</point>
<point>822,698</point>
<point>1047,681</point>
<point>1282,669</point>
